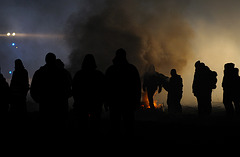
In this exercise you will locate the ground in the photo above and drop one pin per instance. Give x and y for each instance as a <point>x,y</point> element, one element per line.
<point>185,128</point>
<point>189,128</point>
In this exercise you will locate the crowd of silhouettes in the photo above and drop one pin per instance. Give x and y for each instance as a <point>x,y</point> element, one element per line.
<point>118,91</point>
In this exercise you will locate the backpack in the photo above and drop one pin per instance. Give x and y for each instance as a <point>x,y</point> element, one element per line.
<point>213,79</point>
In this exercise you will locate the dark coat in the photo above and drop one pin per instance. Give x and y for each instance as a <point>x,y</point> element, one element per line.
<point>19,84</point>
<point>51,88</point>
<point>123,86</point>
<point>4,95</point>
<point>88,89</point>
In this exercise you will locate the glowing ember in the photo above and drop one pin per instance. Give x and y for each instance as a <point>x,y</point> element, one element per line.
<point>145,102</point>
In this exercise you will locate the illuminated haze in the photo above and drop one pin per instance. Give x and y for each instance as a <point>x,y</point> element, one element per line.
<point>216,40</point>
<point>152,32</point>
<point>167,33</point>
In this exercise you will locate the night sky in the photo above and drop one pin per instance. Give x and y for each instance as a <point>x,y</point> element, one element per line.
<point>168,34</point>
<point>33,17</point>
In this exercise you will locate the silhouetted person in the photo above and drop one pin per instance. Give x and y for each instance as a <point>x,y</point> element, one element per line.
<point>19,87</point>
<point>151,83</point>
<point>204,82</point>
<point>175,91</point>
<point>231,89</point>
<point>123,92</point>
<point>4,96</point>
<point>4,105</point>
<point>61,66</point>
<point>51,88</point>
<point>88,92</point>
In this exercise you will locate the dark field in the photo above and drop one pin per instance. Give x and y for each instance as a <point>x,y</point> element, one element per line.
<point>186,128</point>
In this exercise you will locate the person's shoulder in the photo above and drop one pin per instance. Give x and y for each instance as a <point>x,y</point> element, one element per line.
<point>79,73</point>
<point>110,68</point>
<point>132,67</point>
<point>25,71</point>
<point>40,71</point>
<point>42,68</point>
<point>98,72</point>
<point>179,76</point>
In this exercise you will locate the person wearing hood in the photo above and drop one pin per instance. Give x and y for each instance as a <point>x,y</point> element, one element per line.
<point>19,87</point>
<point>123,92</point>
<point>88,93</point>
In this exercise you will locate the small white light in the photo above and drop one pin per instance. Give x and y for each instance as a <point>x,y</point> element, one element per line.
<point>13,34</point>
<point>8,34</point>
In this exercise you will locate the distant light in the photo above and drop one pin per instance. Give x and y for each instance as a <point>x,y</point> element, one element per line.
<point>16,47</point>
<point>13,44</point>
<point>10,72</point>
<point>8,34</point>
<point>13,34</point>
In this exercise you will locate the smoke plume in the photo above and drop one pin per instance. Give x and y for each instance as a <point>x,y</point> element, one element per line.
<point>152,32</point>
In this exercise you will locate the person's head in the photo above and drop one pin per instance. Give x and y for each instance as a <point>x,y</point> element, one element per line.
<point>173,72</point>
<point>18,64</point>
<point>50,59</point>
<point>229,66</point>
<point>197,64</point>
<point>120,57</point>
<point>89,62</point>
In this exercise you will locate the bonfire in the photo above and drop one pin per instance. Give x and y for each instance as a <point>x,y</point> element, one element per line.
<point>145,102</point>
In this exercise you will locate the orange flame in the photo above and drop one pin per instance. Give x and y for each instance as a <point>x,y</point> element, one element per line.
<point>145,102</point>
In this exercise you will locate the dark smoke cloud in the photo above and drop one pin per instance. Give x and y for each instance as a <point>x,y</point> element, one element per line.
<point>152,32</point>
